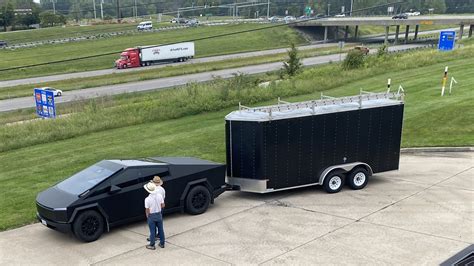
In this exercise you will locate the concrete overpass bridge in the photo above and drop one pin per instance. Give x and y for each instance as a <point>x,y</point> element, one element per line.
<point>330,26</point>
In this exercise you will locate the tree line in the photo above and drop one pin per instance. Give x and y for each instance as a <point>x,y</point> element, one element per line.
<point>24,13</point>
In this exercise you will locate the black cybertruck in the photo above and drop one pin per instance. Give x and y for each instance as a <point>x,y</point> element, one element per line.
<point>110,193</point>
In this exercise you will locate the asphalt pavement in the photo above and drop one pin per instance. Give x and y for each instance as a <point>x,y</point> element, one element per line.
<point>164,83</point>
<point>419,215</point>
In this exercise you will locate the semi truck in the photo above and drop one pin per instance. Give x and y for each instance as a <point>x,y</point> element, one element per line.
<point>147,55</point>
<point>328,142</point>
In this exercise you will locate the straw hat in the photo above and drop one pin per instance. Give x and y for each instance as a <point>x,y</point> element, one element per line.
<point>157,180</point>
<point>150,187</point>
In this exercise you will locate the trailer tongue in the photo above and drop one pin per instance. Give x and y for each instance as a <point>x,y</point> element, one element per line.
<point>321,142</point>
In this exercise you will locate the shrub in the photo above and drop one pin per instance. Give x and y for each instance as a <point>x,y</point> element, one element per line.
<point>354,60</point>
<point>293,66</point>
<point>382,51</point>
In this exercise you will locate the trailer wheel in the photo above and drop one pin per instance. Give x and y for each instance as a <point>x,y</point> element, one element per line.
<point>198,200</point>
<point>333,182</point>
<point>88,226</point>
<point>358,178</point>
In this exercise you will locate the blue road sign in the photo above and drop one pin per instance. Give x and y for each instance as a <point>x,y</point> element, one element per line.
<point>45,103</point>
<point>446,40</point>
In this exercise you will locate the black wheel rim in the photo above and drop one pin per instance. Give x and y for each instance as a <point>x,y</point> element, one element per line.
<point>90,225</point>
<point>199,200</point>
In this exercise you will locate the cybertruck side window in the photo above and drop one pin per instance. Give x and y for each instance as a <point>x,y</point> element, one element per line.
<point>127,178</point>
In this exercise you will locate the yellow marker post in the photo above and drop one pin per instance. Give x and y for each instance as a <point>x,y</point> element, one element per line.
<point>445,78</point>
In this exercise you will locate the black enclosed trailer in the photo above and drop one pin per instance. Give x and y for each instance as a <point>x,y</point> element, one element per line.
<point>322,142</point>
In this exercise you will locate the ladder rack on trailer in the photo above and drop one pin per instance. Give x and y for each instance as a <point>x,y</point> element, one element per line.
<point>325,100</point>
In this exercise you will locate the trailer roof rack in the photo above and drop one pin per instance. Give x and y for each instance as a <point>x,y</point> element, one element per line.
<point>326,104</point>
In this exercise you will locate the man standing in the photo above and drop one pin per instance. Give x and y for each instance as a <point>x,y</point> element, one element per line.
<point>153,205</point>
<point>159,189</point>
<point>158,182</point>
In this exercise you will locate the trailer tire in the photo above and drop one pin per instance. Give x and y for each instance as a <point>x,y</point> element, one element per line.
<point>358,178</point>
<point>88,226</point>
<point>333,182</point>
<point>198,200</point>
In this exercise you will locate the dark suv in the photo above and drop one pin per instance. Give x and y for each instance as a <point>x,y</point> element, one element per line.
<point>111,193</point>
<point>3,44</point>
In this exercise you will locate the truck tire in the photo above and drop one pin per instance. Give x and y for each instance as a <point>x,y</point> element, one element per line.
<point>198,200</point>
<point>358,178</point>
<point>88,226</point>
<point>333,182</point>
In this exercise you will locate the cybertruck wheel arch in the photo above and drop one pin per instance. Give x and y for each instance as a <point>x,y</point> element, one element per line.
<point>94,206</point>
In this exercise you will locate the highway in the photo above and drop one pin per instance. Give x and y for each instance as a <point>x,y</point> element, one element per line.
<point>36,80</point>
<point>164,83</point>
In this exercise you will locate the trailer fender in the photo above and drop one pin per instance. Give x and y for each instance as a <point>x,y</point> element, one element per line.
<point>202,181</point>
<point>344,168</point>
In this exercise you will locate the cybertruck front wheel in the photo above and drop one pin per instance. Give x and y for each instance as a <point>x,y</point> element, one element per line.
<point>88,226</point>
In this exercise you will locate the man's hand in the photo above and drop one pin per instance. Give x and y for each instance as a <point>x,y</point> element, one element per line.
<point>147,212</point>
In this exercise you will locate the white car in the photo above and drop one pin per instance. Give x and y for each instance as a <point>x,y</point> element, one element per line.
<point>56,92</point>
<point>289,18</point>
<point>416,13</point>
<point>145,25</point>
<point>340,15</point>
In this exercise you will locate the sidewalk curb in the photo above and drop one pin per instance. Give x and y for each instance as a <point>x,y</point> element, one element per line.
<point>436,149</point>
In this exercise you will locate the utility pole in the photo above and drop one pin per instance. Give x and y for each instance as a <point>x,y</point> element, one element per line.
<point>118,11</point>
<point>136,10</point>
<point>352,3</point>
<point>102,9</point>
<point>329,5</point>
<point>268,9</point>
<point>95,13</point>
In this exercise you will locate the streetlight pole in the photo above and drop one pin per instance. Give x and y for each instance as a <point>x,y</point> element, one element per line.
<point>95,13</point>
<point>54,6</point>
<point>329,5</point>
<point>102,9</point>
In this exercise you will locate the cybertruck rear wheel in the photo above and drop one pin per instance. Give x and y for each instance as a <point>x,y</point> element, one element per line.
<point>88,226</point>
<point>198,200</point>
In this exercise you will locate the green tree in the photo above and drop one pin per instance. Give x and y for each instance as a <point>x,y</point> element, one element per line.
<point>293,66</point>
<point>7,15</point>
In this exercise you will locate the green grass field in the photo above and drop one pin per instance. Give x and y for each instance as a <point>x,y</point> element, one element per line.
<point>52,33</point>
<point>265,39</point>
<point>430,120</point>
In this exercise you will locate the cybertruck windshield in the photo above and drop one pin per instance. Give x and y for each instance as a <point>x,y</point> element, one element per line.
<point>89,177</point>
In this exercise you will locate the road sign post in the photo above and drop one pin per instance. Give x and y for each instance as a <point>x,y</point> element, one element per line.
<point>45,106</point>
<point>446,40</point>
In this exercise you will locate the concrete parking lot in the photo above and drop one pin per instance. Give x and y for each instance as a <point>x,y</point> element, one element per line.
<point>419,215</point>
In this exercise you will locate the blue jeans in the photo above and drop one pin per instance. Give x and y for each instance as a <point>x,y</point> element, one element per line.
<point>155,220</point>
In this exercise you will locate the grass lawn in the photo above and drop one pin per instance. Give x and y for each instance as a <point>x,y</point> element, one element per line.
<point>252,41</point>
<point>430,120</point>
